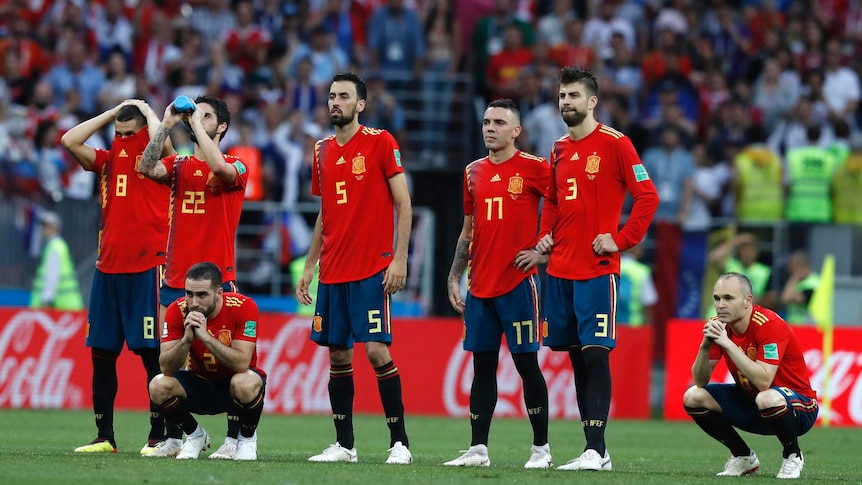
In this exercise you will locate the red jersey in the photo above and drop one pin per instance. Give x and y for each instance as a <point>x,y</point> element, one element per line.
<point>504,202</point>
<point>133,234</point>
<point>589,179</point>
<point>769,339</point>
<point>357,208</point>
<point>237,320</point>
<point>204,216</point>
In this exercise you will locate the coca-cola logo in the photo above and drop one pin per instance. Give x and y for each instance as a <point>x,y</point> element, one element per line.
<point>34,372</point>
<point>555,367</point>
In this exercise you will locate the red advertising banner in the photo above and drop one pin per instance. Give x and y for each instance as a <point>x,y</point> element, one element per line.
<point>683,339</point>
<point>44,364</point>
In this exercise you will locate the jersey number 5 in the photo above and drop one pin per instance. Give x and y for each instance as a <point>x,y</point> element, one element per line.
<point>341,191</point>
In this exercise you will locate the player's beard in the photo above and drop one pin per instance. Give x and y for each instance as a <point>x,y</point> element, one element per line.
<point>194,139</point>
<point>206,311</point>
<point>342,119</point>
<point>574,117</point>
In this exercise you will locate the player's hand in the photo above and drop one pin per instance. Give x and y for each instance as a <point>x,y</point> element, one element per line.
<point>528,258</point>
<point>171,119</point>
<point>302,285</point>
<point>395,277</point>
<point>605,244</point>
<point>196,116</point>
<point>546,244</point>
<point>714,329</point>
<point>191,323</point>
<point>455,296</point>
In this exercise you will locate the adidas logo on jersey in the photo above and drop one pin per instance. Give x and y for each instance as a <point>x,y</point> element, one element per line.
<point>575,157</point>
<point>123,153</point>
<point>198,173</point>
<point>341,161</point>
<point>495,178</point>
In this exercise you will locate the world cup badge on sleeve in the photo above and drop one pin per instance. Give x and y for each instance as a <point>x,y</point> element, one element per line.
<point>516,186</point>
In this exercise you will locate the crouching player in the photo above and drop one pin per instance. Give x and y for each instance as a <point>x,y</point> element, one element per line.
<point>217,332</point>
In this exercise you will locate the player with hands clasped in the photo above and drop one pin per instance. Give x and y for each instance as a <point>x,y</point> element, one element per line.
<point>771,393</point>
<point>592,168</point>
<point>216,332</point>
<point>501,213</point>
<point>358,175</point>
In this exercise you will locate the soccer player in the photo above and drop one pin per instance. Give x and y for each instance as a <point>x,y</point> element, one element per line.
<point>592,168</point>
<point>132,241</point>
<point>216,331</point>
<point>501,214</point>
<point>358,175</point>
<point>771,393</point>
<point>207,190</point>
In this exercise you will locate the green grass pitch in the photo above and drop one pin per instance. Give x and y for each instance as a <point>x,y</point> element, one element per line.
<point>37,449</point>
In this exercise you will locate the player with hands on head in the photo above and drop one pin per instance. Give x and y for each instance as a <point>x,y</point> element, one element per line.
<point>502,192</point>
<point>216,332</point>
<point>358,175</point>
<point>208,189</point>
<point>771,393</point>
<point>132,242</point>
<point>592,169</point>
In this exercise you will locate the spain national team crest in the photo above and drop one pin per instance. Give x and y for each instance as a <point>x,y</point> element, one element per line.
<point>516,186</point>
<point>592,167</point>
<point>224,336</point>
<point>544,329</point>
<point>358,166</point>
<point>751,353</point>
<point>212,181</point>
<point>138,166</point>
<point>317,323</point>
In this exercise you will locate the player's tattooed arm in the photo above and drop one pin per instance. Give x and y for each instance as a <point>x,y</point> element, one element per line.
<point>150,165</point>
<point>459,263</point>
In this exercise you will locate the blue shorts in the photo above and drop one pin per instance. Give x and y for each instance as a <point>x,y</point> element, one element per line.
<point>740,410</point>
<point>357,311</point>
<point>124,307</point>
<point>168,294</point>
<point>208,397</point>
<point>516,314</point>
<point>581,313</point>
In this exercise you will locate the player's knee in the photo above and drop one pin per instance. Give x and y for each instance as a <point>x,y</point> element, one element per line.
<point>244,387</point>
<point>694,397</point>
<point>340,356</point>
<point>378,353</point>
<point>769,398</point>
<point>159,389</point>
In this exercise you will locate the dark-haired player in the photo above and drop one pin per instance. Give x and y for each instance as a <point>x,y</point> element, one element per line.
<point>207,191</point>
<point>358,175</point>
<point>132,239</point>
<point>501,214</point>
<point>216,332</point>
<point>592,168</point>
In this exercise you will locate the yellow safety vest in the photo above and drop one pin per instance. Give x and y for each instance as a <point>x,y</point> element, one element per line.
<point>761,194</point>
<point>68,296</point>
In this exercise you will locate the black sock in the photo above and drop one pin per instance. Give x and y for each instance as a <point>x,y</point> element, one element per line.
<point>341,398</point>
<point>104,391</point>
<point>715,426</point>
<point>389,385</point>
<point>176,411</point>
<point>579,370</point>
<point>483,396</point>
<point>249,415</point>
<point>784,425</point>
<point>535,394</point>
<point>150,359</point>
<point>233,423</point>
<point>598,398</point>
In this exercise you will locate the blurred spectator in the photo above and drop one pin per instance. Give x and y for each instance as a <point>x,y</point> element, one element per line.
<point>671,169</point>
<point>637,293</point>
<point>504,67</point>
<point>600,28</point>
<point>552,26</point>
<point>730,41</point>
<point>271,17</point>
<point>49,160</point>
<point>708,183</point>
<point>382,110</point>
<point>616,112</point>
<point>157,55</point>
<point>847,181</point>
<point>18,88</point>
<point>542,126</point>
<point>345,21</point>
<point>810,169</point>
<point>18,154</point>
<point>247,40</point>
<point>396,44</point>
<point>791,132</point>
<point>300,92</point>
<point>55,285</point>
<point>572,52</point>
<point>31,59</point>
<point>77,75</point>
<point>443,34</point>
<point>673,102</point>
<point>622,75</point>
<point>245,150</point>
<point>841,89</point>
<point>112,29</point>
<point>774,93</point>
<point>737,127</point>
<point>798,289</point>
<point>326,58</point>
<point>120,84</point>
<point>487,40</point>
<point>740,254</point>
<point>758,185</point>
<point>212,19</point>
<point>666,60</point>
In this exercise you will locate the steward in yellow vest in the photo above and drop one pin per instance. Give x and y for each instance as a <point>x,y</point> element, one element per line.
<point>810,169</point>
<point>55,285</point>
<point>759,184</point>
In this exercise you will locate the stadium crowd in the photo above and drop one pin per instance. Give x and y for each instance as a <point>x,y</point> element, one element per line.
<point>730,103</point>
